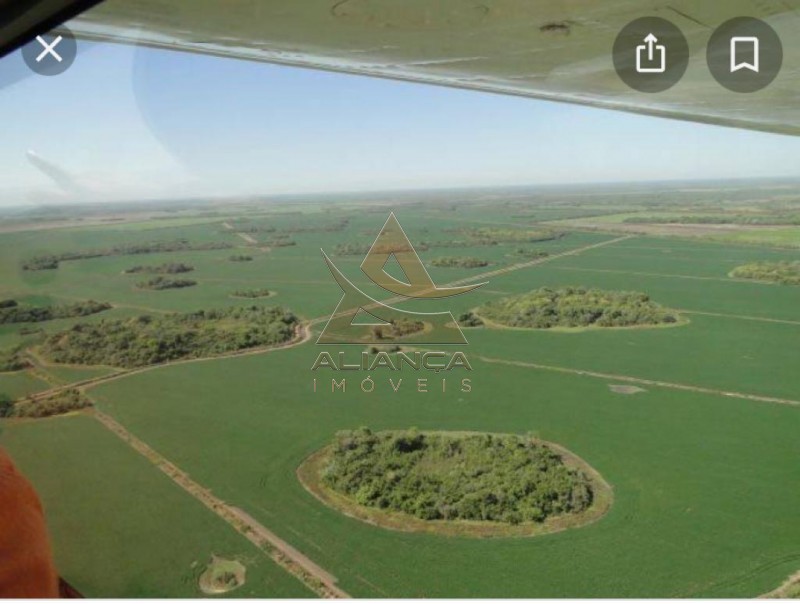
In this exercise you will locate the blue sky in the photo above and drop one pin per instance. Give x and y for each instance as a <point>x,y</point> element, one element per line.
<point>131,123</point>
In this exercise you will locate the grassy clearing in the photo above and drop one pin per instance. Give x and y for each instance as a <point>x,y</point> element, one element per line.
<point>222,576</point>
<point>66,374</point>
<point>21,383</point>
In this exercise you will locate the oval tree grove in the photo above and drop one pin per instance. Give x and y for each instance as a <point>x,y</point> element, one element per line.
<point>456,483</point>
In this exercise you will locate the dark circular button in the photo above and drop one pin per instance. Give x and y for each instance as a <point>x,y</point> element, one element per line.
<point>51,53</point>
<point>744,54</point>
<point>650,54</point>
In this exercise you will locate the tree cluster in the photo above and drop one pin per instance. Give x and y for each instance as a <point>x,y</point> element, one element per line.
<point>783,272</point>
<point>6,405</point>
<point>459,262</point>
<point>742,219</point>
<point>332,227</point>
<point>56,404</point>
<point>281,241</point>
<point>397,328</point>
<point>52,261</point>
<point>351,249</point>
<point>251,293</point>
<point>253,229</point>
<point>529,253</point>
<point>388,349</point>
<point>448,243</point>
<point>240,258</point>
<point>469,319</point>
<point>35,314</point>
<point>159,283</point>
<point>12,360</point>
<point>576,307</point>
<point>498,235</point>
<point>168,268</point>
<point>148,340</point>
<point>439,476</point>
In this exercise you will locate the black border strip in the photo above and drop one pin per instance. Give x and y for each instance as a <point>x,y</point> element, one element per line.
<point>15,13</point>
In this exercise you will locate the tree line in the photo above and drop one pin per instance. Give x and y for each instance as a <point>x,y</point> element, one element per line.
<point>498,235</point>
<point>168,268</point>
<point>459,262</point>
<point>743,219</point>
<point>396,328</point>
<point>351,249</point>
<point>355,249</point>
<point>12,360</point>
<point>447,243</point>
<point>332,227</point>
<point>159,283</point>
<point>34,314</point>
<point>576,307</point>
<point>56,404</point>
<point>469,319</point>
<point>784,272</point>
<point>280,241</point>
<point>251,293</point>
<point>529,253</point>
<point>52,261</point>
<point>148,340</point>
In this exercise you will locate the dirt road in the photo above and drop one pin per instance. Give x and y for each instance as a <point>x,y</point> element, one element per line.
<point>302,335</point>
<point>644,381</point>
<point>245,236</point>
<point>313,576</point>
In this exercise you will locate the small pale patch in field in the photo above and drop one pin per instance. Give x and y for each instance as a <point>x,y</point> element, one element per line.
<point>625,389</point>
<point>222,576</point>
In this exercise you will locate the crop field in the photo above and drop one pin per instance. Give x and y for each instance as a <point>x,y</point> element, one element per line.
<point>700,449</point>
<point>120,526</point>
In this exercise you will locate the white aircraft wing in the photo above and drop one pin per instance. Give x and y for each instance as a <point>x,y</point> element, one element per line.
<point>548,49</point>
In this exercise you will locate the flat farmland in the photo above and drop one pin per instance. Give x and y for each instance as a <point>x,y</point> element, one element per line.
<point>120,526</point>
<point>686,470</point>
<point>702,460</point>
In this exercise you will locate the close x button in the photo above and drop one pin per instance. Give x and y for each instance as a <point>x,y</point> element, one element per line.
<point>51,53</point>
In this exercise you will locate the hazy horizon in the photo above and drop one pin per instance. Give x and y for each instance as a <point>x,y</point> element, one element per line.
<point>776,182</point>
<point>129,123</point>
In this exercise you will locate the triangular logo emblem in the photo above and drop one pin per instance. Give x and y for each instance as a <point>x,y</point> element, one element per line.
<point>350,322</point>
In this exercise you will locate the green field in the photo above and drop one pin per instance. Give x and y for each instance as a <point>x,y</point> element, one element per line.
<point>703,462</point>
<point>119,526</point>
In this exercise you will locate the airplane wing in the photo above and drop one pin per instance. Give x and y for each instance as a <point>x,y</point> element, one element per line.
<point>556,50</point>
